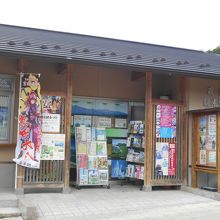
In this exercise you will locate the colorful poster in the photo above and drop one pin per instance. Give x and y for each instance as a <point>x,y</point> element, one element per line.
<point>91,148</point>
<point>172,159</point>
<point>81,147</point>
<point>162,160</point>
<point>130,171</point>
<point>81,134</point>
<point>100,134</point>
<point>51,123</point>
<point>101,148</point>
<point>102,163</point>
<point>93,177</point>
<point>165,121</point>
<point>82,160</point>
<point>119,148</point>
<point>103,177</point>
<point>83,176</point>
<point>53,147</point>
<point>207,131</point>
<point>52,104</point>
<point>92,162</point>
<point>28,148</point>
<point>118,168</point>
<point>212,125</point>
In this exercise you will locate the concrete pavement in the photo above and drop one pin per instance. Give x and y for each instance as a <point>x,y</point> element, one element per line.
<point>122,202</point>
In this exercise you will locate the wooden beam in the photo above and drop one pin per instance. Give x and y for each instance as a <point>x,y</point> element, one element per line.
<point>22,67</point>
<point>185,126</point>
<point>148,132</point>
<point>68,126</point>
<point>195,133</point>
<point>137,75</point>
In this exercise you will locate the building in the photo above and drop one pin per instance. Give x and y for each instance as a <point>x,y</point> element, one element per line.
<point>73,65</point>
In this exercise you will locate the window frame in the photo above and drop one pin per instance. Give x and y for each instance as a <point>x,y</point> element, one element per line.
<point>11,94</point>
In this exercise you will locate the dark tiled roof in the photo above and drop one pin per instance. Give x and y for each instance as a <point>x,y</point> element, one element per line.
<point>69,47</point>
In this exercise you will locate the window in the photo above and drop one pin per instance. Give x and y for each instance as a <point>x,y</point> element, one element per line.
<point>6,107</point>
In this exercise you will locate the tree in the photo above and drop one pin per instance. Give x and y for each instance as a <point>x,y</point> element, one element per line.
<point>216,50</point>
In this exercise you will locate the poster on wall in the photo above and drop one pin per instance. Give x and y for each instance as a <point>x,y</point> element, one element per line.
<point>207,136</point>
<point>28,148</point>
<point>82,120</point>
<point>172,159</point>
<point>120,123</point>
<point>52,104</point>
<point>102,122</point>
<point>162,160</point>
<point>53,147</point>
<point>51,123</point>
<point>83,106</point>
<point>166,121</point>
<point>118,168</point>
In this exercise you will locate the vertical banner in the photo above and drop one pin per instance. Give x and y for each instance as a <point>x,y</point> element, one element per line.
<point>172,159</point>
<point>29,122</point>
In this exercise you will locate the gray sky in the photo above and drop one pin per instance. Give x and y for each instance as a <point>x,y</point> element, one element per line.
<point>192,24</point>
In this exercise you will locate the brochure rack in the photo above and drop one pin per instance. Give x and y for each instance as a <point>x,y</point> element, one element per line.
<point>135,156</point>
<point>91,157</point>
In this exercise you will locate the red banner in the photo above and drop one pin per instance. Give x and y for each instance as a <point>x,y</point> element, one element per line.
<point>172,159</point>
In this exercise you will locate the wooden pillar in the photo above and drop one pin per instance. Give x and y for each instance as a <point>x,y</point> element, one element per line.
<point>194,149</point>
<point>218,149</point>
<point>69,69</point>
<point>148,133</point>
<point>184,126</point>
<point>19,187</point>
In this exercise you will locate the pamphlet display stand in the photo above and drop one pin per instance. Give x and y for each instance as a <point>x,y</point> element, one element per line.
<point>135,156</point>
<point>91,157</point>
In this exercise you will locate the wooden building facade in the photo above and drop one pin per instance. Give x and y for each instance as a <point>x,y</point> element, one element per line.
<point>76,65</point>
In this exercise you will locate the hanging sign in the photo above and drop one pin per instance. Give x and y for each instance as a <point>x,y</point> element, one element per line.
<point>28,146</point>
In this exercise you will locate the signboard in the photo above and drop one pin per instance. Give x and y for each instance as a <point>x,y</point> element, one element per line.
<point>53,147</point>
<point>51,123</point>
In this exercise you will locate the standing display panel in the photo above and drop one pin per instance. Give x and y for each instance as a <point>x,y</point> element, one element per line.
<point>205,173</point>
<point>100,113</point>
<point>91,157</point>
<point>167,144</point>
<point>135,156</point>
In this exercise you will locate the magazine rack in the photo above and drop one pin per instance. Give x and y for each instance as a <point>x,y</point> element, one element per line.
<point>135,156</point>
<point>91,157</point>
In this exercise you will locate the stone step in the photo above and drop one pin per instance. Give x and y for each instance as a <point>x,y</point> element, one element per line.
<point>9,212</point>
<point>13,218</point>
<point>8,200</point>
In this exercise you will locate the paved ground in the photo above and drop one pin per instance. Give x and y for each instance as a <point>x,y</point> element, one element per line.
<point>123,202</point>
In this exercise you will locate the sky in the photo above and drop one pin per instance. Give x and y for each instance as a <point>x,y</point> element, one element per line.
<point>192,24</point>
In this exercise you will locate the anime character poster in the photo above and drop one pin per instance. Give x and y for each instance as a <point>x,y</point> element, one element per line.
<point>52,104</point>
<point>28,148</point>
